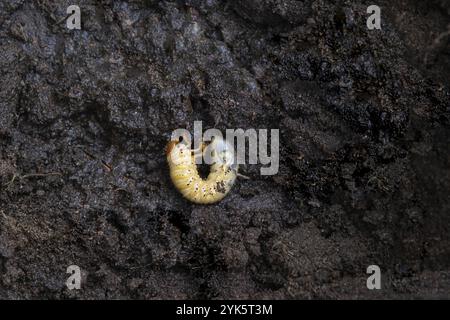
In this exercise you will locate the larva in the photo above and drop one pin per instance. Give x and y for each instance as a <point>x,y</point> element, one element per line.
<point>185,176</point>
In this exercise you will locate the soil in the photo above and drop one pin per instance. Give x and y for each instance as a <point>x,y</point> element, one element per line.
<point>364,177</point>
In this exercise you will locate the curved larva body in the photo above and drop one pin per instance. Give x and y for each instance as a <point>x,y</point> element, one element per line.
<point>186,179</point>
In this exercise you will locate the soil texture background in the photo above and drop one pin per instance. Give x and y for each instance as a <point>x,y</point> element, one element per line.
<point>364,176</point>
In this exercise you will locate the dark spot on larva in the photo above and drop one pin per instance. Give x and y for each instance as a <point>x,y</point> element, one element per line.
<point>220,187</point>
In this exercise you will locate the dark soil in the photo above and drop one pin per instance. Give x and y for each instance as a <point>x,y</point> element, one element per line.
<point>364,119</point>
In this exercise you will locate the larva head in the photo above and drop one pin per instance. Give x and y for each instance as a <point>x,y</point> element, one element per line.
<point>177,152</point>
<point>177,142</point>
<point>170,146</point>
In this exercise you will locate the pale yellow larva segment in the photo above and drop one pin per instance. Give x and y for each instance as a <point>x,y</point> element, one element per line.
<point>185,177</point>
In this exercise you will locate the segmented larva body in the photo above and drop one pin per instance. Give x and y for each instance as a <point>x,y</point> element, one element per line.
<point>185,176</point>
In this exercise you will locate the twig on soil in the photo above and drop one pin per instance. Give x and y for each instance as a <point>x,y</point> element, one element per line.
<point>436,42</point>
<point>32,175</point>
